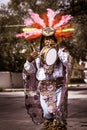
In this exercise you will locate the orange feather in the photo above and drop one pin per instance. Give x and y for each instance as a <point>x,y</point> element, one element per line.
<point>57,19</point>
<point>63,27</point>
<point>63,34</point>
<point>45,18</point>
<point>66,26</point>
<point>36,25</point>
<point>34,36</point>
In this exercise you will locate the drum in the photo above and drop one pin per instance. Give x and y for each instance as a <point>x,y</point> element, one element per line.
<point>48,55</point>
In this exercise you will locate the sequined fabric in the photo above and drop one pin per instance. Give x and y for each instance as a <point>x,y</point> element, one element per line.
<point>46,91</point>
<point>54,124</point>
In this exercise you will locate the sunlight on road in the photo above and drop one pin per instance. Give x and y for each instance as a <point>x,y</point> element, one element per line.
<point>11,94</point>
<point>77,95</point>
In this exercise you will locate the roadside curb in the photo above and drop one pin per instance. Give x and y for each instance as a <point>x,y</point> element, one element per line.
<point>12,90</point>
<point>71,87</point>
<point>77,87</point>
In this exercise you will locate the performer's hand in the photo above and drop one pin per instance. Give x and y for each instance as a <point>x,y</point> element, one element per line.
<point>32,56</point>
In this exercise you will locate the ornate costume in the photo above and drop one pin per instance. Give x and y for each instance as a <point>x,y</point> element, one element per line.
<point>47,71</point>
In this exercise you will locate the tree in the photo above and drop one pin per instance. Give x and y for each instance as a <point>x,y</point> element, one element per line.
<point>8,41</point>
<point>79,43</point>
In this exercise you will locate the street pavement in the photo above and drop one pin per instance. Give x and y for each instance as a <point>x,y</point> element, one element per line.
<point>13,115</point>
<point>77,108</point>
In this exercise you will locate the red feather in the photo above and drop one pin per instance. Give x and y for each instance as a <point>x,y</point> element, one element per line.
<point>64,27</point>
<point>63,34</point>
<point>36,25</point>
<point>45,18</point>
<point>57,19</point>
<point>34,36</point>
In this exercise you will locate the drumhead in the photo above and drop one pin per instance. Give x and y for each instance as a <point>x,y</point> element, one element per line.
<point>51,56</point>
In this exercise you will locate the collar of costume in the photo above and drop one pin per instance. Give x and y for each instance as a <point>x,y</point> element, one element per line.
<point>47,24</point>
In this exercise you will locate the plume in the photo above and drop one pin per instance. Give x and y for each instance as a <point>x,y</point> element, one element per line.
<point>51,14</point>
<point>45,18</point>
<point>28,21</point>
<point>36,23</point>
<point>63,21</point>
<point>57,19</point>
<point>29,33</point>
<point>37,18</point>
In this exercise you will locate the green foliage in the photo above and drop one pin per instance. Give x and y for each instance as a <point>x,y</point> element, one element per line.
<point>80,35</point>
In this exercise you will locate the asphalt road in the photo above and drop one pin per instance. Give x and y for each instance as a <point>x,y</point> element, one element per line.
<point>77,109</point>
<point>13,115</point>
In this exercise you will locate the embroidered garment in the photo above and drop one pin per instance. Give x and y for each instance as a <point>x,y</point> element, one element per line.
<point>46,88</point>
<point>46,76</point>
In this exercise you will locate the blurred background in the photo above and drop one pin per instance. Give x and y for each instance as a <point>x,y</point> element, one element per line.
<point>13,51</point>
<point>13,54</point>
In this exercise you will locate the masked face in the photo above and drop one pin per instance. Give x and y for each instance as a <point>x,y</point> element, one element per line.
<point>50,43</point>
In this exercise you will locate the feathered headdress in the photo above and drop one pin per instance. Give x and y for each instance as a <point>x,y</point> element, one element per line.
<point>47,24</point>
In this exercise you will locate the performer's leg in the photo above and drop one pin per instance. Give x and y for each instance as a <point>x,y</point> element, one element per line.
<point>60,120</point>
<point>44,106</point>
<point>50,122</point>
